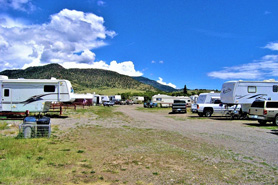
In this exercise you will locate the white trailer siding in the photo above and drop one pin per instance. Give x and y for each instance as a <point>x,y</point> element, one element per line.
<point>246,92</point>
<point>166,100</point>
<point>19,95</point>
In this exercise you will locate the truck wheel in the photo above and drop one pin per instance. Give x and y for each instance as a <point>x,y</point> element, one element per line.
<point>262,122</point>
<point>275,122</point>
<point>200,114</point>
<point>208,113</point>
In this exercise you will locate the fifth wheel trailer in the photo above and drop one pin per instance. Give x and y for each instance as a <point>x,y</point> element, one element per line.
<point>33,95</point>
<point>244,93</point>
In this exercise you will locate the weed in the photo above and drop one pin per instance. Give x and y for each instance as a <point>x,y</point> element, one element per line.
<point>3,125</point>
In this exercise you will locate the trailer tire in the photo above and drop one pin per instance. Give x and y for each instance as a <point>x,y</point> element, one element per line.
<point>208,113</point>
<point>275,121</point>
<point>262,122</point>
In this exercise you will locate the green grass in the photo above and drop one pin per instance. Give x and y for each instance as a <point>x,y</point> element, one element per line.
<point>3,125</point>
<point>35,161</point>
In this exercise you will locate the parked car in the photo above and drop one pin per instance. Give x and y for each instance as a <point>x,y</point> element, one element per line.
<point>108,103</point>
<point>129,102</point>
<point>179,106</point>
<point>264,111</point>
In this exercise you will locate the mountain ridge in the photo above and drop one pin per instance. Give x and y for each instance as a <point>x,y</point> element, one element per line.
<point>81,79</point>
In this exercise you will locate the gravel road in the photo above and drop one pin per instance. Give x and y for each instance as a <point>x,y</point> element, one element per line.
<point>237,135</point>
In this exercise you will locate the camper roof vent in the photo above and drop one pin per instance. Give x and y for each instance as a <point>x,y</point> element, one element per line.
<point>53,78</point>
<point>3,77</point>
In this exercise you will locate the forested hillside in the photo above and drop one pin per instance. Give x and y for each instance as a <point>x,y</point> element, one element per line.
<point>81,79</point>
<point>155,84</point>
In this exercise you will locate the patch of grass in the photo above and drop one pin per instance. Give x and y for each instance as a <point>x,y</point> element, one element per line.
<point>3,125</point>
<point>34,161</point>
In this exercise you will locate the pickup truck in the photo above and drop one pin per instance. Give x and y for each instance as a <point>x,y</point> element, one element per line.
<point>179,106</point>
<point>264,111</point>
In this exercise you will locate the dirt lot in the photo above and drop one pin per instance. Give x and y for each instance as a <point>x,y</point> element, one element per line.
<point>241,136</point>
<point>132,145</point>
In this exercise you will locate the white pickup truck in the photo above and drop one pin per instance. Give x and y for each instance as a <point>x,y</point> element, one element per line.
<point>208,104</point>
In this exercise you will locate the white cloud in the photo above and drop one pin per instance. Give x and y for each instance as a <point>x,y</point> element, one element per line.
<point>161,62</point>
<point>22,5</point>
<point>265,68</point>
<point>68,39</point>
<point>164,83</point>
<point>272,46</point>
<point>101,3</point>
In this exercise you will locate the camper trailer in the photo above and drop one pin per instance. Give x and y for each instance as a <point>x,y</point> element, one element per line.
<point>167,101</point>
<point>33,95</point>
<point>244,93</point>
<point>138,99</point>
<point>83,99</point>
<point>115,98</point>
<point>97,99</point>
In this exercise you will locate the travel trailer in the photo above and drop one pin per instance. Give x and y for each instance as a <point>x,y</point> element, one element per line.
<point>115,98</point>
<point>244,93</point>
<point>83,99</point>
<point>97,99</point>
<point>167,101</point>
<point>33,95</point>
<point>138,99</point>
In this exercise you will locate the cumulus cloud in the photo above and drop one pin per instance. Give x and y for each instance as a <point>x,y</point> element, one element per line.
<point>272,46</point>
<point>267,67</point>
<point>164,83</point>
<point>68,39</point>
<point>22,5</point>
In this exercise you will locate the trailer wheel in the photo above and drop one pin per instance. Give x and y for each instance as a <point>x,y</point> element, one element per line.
<point>275,122</point>
<point>262,122</point>
<point>208,113</point>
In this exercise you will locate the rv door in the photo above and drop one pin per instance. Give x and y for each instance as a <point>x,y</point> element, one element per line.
<point>7,99</point>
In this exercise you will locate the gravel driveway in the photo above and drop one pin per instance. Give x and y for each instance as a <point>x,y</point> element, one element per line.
<point>250,141</point>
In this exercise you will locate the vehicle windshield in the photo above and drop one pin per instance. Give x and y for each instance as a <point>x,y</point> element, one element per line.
<point>259,104</point>
<point>201,99</point>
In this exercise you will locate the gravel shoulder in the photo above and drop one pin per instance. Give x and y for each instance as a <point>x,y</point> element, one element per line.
<point>251,141</point>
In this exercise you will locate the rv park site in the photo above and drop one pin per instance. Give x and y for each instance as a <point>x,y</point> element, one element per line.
<point>132,144</point>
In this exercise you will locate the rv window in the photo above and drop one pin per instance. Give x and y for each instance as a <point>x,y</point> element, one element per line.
<point>252,89</point>
<point>49,88</point>
<point>275,88</point>
<point>6,92</point>
<point>158,99</point>
<point>272,104</point>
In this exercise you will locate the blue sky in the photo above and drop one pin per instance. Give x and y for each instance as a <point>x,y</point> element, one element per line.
<point>199,43</point>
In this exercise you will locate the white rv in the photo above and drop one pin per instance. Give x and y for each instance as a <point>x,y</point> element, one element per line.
<point>167,101</point>
<point>34,95</point>
<point>115,98</point>
<point>138,99</point>
<point>245,93</point>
